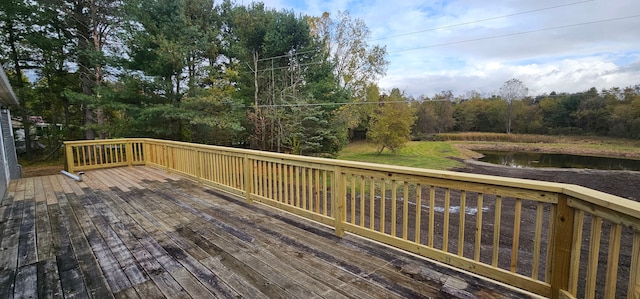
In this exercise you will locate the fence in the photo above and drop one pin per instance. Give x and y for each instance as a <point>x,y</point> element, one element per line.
<point>554,240</point>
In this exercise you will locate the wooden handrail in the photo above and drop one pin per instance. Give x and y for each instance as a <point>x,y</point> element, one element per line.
<point>427,212</point>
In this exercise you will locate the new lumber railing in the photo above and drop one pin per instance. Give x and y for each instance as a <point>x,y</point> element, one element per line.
<point>554,240</point>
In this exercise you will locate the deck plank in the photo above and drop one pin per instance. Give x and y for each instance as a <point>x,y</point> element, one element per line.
<point>44,241</point>
<point>331,274</point>
<point>359,267</point>
<point>79,232</point>
<point>26,282</point>
<point>38,189</point>
<point>127,176</point>
<point>140,232</point>
<point>7,280</point>
<point>48,279</point>
<point>146,174</point>
<point>64,183</point>
<point>179,250</point>
<point>280,272</point>
<point>148,289</point>
<point>68,270</point>
<point>95,234</point>
<point>27,251</point>
<point>10,238</point>
<point>277,252</point>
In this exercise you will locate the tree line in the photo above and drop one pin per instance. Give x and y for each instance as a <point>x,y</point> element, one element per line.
<point>190,70</point>
<point>613,112</point>
<point>250,76</point>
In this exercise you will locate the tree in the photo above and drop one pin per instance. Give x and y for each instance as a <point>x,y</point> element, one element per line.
<point>391,124</point>
<point>357,64</point>
<point>16,24</point>
<point>511,91</point>
<point>93,28</point>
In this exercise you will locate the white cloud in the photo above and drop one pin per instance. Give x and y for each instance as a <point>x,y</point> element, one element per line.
<point>569,58</point>
<point>569,75</point>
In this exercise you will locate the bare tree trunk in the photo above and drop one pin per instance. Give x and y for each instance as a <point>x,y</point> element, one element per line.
<point>97,44</point>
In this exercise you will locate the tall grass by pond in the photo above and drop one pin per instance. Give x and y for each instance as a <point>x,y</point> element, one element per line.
<point>532,138</point>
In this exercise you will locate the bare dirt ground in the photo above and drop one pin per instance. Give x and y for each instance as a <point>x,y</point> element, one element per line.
<point>621,183</point>
<point>40,170</point>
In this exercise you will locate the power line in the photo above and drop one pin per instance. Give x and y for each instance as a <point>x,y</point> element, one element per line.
<point>482,20</point>
<point>341,103</point>
<point>288,55</point>
<point>516,33</point>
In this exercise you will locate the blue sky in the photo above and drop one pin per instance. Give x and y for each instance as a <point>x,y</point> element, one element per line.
<point>562,46</point>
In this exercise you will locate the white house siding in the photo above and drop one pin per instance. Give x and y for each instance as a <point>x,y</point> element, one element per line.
<point>9,168</point>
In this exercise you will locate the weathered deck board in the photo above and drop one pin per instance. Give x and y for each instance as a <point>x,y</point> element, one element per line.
<point>138,232</point>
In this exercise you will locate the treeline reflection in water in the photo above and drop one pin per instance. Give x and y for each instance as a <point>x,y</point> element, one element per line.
<point>525,159</point>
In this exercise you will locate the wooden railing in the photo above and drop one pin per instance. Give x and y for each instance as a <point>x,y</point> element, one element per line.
<point>554,240</point>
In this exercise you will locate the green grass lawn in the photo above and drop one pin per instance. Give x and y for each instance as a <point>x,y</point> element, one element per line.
<point>423,154</point>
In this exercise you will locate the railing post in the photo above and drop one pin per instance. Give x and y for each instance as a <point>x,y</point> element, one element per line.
<point>338,198</point>
<point>248,178</point>
<point>563,242</point>
<point>129,153</point>
<point>68,153</point>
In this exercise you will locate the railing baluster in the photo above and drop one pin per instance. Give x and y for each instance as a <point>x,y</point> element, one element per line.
<point>537,239</point>
<point>279,181</point>
<point>353,199</point>
<point>94,158</point>
<point>324,192</point>
<point>272,182</point>
<point>478,241</point>
<point>310,190</point>
<point>298,174</point>
<point>575,252</point>
<point>316,190</point>
<point>287,186</point>
<point>394,213</point>
<point>240,169</point>
<point>362,199</point>
<point>633,291</point>
<point>383,199</point>
<point>612,261</point>
<point>594,253</point>
<point>304,187</point>
<point>248,178</point>
<point>445,226</point>
<point>199,166</point>
<point>338,201</point>
<point>496,231</point>
<point>262,181</point>
<point>418,223</point>
<point>515,246</point>
<point>372,202</point>
<point>228,169</point>
<point>405,212</point>
<point>432,218</point>
<point>461,223</point>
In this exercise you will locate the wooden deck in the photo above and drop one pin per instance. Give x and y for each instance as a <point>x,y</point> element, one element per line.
<point>138,232</point>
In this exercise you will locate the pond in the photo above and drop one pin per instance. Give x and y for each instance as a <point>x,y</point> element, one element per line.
<point>524,159</point>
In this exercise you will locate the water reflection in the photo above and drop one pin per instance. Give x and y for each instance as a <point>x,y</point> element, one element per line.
<point>523,159</point>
